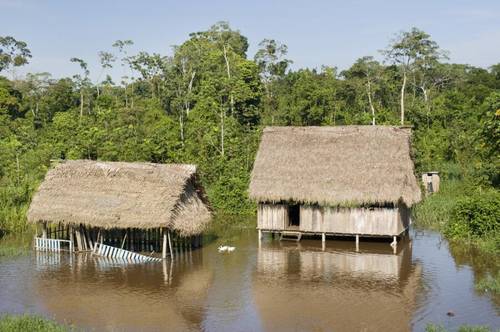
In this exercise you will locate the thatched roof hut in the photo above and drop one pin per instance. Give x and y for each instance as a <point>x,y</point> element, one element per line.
<point>344,165</point>
<point>337,180</point>
<point>122,195</point>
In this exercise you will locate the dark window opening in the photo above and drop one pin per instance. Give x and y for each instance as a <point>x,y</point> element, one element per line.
<point>294,215</point>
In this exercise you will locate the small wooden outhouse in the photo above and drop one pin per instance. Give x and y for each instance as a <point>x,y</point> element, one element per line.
<point>431,182</point>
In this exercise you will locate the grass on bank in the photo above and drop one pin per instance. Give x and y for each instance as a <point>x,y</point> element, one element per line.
<point>489,284</point>
<point>32,323</point>
<point>463,328</point>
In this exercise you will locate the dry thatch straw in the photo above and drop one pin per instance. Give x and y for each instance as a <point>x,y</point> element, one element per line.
<point>122,195</point>
<point>339,166</point>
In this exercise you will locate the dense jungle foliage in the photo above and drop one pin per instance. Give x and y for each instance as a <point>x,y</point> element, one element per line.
<point>207,103</point>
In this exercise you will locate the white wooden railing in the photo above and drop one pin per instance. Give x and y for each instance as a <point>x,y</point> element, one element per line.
<point>44,244</point>
<point>112,252</point>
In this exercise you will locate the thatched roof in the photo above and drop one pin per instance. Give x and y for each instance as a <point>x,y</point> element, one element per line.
<point>344,165</point>
<point>122,195</point>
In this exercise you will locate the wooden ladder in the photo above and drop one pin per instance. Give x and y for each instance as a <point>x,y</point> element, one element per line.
<point>290,236</point>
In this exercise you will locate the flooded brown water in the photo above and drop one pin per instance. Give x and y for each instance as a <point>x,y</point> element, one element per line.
<point>274,286</point>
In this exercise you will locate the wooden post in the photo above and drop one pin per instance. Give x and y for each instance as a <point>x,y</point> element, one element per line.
<point>323,241</point>
<point>89,239</point>
<point>124,239</point>
<point>84,238</point>
<point>78,239</point>
<point>71,236</point>
<point>170,244</point>
<point>44,230</point>
<point>394,244</point>
<point>357,242</point>
<point>164,247</point>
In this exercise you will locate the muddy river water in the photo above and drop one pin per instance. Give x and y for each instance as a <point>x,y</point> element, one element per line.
<point>271,286</point>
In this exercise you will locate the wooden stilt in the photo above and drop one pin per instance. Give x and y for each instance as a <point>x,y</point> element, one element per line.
<point>44,230</point>
<point>71,235</point>
<point>124,239</point>
<point>170,244</point>
<point>84,240</point>
<point>89,239</point>
<point>78,239</point>
<point>394,244</point>
<point>164,247</point>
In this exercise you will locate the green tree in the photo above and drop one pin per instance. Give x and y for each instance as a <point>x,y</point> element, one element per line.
<point>13,53</point>
<point>411,50</point>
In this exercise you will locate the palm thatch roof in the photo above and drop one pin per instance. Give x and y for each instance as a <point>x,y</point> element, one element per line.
<point>122,195</point>
<point>344,165</point>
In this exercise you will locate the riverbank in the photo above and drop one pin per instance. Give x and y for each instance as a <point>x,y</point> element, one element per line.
<point>469,218</point>
<point>464,213</point>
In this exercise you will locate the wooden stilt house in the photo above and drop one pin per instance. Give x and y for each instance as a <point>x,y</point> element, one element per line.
<point>141,207</point>
<point>345,180</point>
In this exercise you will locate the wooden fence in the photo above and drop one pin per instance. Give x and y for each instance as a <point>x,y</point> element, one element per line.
<point>113,252</point>
<point>44,244</point>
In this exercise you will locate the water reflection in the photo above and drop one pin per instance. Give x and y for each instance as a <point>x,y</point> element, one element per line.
<point>302,287</point>
<point>92,291</point>
<point>277,286</point>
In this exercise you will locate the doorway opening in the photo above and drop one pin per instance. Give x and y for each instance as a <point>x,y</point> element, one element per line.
<point>294,216</point>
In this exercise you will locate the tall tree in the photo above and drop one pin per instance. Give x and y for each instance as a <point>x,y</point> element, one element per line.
<point>82,81</point>
<point>409,50</point>
<point>369,72</point>
<point>13,53</point>
<point>122,47</point>
<point>273,65</point>
<point>35,87</point>
<point>106,60</point>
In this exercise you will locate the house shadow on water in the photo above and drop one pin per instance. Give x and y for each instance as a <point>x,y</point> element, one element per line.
<point>305,286</point>
<point>99,292</point>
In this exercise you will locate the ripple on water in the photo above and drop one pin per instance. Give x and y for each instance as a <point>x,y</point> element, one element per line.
<point>275,287</point>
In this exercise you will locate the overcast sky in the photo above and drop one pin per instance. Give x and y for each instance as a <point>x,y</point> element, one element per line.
<point>333,33</point>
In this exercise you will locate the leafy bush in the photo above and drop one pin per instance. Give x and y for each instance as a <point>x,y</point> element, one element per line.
<point>475,216</point>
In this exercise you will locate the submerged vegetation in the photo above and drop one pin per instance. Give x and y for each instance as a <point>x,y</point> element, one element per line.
<point>207,102</point>
<point>15,245</point>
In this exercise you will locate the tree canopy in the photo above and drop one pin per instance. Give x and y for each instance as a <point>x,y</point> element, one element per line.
<point>207,102</point>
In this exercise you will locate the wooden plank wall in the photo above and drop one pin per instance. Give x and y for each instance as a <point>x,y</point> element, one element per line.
<point>367,221</point>
<point>311,218</point>
<point>272,216</point>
